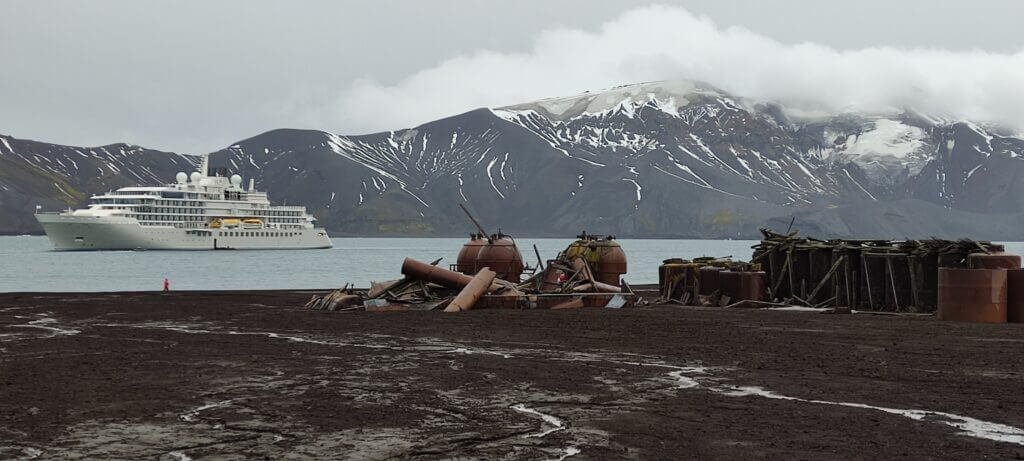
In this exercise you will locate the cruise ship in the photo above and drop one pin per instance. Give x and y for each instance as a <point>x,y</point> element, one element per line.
<point>198,212</point>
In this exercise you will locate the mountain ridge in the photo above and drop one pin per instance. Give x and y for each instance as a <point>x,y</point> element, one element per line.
<point>669,159</point>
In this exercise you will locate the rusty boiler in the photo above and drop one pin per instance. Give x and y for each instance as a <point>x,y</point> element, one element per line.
<point>972,295</point>
<point>603,254</point>
<point>996,260</point>
<point>1015,295</point>
<point>497,251</point>
<point>466,261</point>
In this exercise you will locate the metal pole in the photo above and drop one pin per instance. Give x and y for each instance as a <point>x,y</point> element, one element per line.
<point>475,222</point>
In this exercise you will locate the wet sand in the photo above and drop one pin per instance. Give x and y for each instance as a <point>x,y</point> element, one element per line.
<point>244,375</point>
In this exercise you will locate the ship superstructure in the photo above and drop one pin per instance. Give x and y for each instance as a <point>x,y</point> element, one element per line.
<point>200,211</point>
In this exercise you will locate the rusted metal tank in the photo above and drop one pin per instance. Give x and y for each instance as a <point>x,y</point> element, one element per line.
<point>603,254</point>
<point>709,279</point>
<point>677,279</point>
<point>997,260</point>
<point>500,253</point>
<point>972,295</point>
<point>466,261</point>
<point>742,286</point>
<point>497,252</point>
<point>1015,295</point>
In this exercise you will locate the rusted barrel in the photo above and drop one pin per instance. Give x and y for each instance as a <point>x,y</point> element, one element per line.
<point>709,279</point>
<point>1015,295</point>
<point>997,260</point>
<point>673,279</point>
<point>972,295</point>
<point>742,286</point>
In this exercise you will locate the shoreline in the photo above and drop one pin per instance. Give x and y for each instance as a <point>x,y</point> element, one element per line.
<point>253,374</point>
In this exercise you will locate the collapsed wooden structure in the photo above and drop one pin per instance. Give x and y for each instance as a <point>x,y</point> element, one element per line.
<point>880,275</point>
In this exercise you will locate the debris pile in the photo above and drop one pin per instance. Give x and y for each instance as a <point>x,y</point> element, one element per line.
<point>586,274</point>
<point>877,275</point>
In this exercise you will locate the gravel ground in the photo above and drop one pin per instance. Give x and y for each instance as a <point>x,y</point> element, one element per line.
<point>188,375</point>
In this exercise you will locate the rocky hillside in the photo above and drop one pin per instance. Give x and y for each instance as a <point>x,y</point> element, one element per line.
<point>56,177</point>
<point>677,159</point>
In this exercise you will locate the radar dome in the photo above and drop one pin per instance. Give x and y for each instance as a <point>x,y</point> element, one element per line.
<point>195,176</point>
<point>181,177</point>
<point>236,180</point>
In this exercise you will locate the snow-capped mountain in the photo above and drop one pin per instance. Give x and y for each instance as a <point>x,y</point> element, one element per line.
<point>56,177</point>
<point>654,159</point>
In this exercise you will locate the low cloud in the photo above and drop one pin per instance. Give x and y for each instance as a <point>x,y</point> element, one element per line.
<point>665,43</point>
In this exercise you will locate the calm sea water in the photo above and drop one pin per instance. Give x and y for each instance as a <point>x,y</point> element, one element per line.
<point>28,263</point>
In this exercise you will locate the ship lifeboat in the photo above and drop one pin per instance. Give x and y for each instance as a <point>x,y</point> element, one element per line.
<point>215,223</point>
<point>252,224</point>
<point>230,223</point>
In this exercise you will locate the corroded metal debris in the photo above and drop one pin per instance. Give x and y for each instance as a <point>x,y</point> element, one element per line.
<point>585,274</point>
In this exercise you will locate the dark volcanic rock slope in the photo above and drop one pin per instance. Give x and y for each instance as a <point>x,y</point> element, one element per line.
<point>657,159</point>
<point>55,177</point>
<point>660,159</point>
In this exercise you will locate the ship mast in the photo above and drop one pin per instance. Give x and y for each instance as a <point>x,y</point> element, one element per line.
<point>205,166</point>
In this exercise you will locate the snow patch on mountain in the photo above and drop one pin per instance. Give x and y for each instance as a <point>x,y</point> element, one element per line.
<point>884,149</point>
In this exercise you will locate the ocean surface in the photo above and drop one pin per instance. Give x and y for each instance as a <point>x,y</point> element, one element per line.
<point>28,263</point>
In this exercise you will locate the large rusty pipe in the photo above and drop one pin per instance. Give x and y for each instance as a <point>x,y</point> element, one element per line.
<point>469,295</point>
<point>444,277</point>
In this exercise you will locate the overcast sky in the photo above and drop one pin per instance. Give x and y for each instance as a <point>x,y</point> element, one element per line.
<point>195,76</point>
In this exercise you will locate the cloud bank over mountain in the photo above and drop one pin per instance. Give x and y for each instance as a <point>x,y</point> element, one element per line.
<point>664,43</point>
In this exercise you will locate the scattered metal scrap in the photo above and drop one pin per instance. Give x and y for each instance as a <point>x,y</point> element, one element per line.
<point>586,274</point>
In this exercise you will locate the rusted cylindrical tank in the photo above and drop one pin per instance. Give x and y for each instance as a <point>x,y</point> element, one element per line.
<point>972,295</point>
<point>1015,295</point>
<point>996,260</point>
<point>501,255</point>
<point>676,277</point>
<point>742,286</point>
<point>709,279</point>
<point>466,261</point>
<point>603,254</point>
<point>664,267</point>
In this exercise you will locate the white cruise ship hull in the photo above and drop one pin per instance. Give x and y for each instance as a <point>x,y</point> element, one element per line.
<point>68,232</point>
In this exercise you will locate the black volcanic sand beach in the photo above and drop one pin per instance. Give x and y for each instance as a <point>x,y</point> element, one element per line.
<point>247,375</point>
